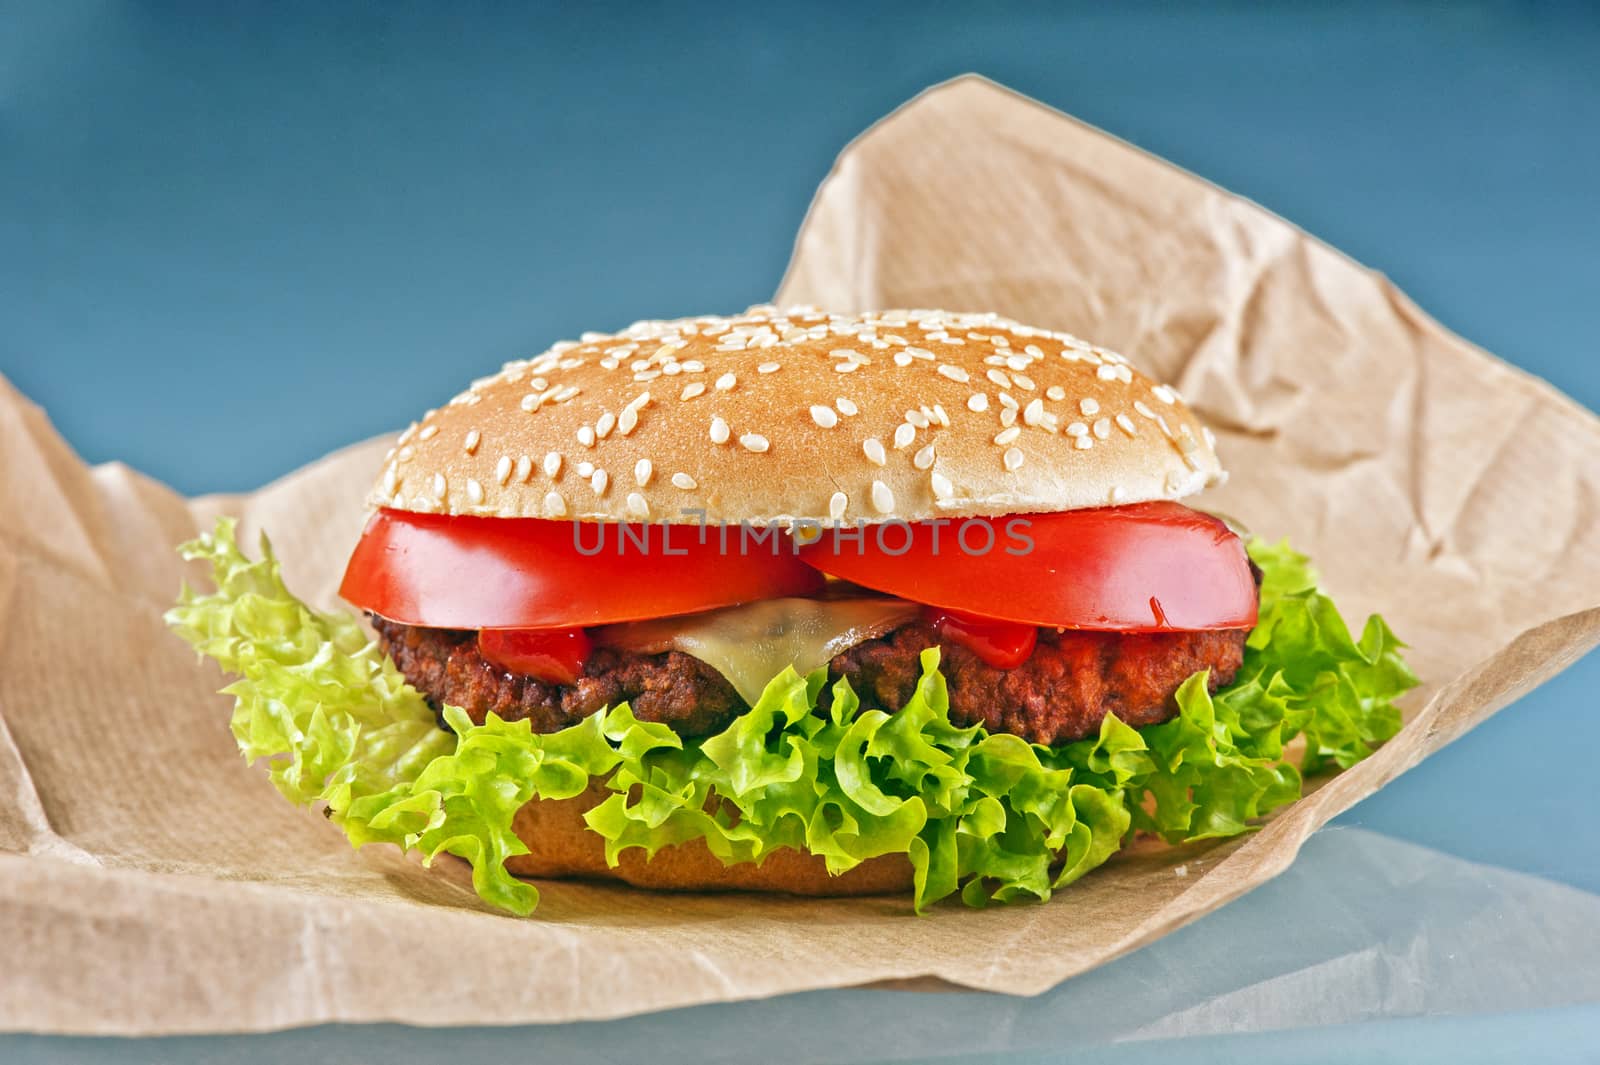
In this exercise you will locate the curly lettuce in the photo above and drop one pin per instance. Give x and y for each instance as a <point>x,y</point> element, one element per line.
<point>984,815</point>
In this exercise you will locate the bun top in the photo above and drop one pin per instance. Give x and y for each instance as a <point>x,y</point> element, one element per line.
<point>774,416</point>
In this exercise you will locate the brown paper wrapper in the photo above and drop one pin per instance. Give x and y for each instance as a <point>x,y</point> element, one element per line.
<point>149,882</point>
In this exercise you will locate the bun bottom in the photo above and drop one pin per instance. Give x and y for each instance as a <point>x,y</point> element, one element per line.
<point>563,847</point>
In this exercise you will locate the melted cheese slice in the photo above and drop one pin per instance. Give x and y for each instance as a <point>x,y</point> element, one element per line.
<point>752,643</point>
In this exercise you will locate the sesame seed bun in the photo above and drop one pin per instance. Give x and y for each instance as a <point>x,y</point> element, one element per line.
<point>800,415</point>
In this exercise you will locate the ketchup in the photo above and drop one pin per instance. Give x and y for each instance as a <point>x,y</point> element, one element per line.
<point>1001,644</point>
<point>554,656</point>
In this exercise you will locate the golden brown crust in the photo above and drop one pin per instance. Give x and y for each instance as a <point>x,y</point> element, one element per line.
<point>775,415</point>
<point>563,847</point>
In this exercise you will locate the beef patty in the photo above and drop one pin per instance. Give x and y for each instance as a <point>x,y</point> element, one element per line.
<point>1059,694</point>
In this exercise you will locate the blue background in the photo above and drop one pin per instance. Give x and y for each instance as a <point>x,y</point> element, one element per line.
<point>232,240</point>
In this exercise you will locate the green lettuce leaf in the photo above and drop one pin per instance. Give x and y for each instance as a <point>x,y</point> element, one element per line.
<point>987,816</point>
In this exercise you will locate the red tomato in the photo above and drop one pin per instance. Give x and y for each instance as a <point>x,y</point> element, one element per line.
<point>555,656</point>
<point>1001,644</point>
<point>529,573</point>
<point>1141,568</point>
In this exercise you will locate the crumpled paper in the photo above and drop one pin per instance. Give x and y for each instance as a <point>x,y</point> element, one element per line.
<point>151,883</point>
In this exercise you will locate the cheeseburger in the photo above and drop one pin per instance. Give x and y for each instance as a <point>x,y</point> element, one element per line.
<point>906,601</point>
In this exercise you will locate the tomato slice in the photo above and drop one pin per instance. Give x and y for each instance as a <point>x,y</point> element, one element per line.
<point>531,573</point>
<point>1001,644</point>
<point>1146,567</point>
<point>555,656</point>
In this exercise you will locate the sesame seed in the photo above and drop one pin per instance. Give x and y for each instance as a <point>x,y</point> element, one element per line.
<point>1033,413</point>
<point>924,458</point>
<point>691,390</point>
<point>726,382</point>
<point>586,435</point>
<point>1006,400</point>
<point>978,402</point>
<point>585,469</point>
<point>955,373</point>
<point>470,444</point>
<point>845,353</point>
<point>902,359</point>
<point>768,367</point>
<point>920,353</point>
<point>720,431</point>
<point>754,442</point>
<point>824,416</point>
<point>1162,392</point>
<point>599,482</point>
<point>1117,494</point>
<point>874,451</point>
<point>837,504</point>
<point>1106,372</point>
<point>1102,428</point>
<point>919,418</point>
<point>904,433</point>
<point>1078,429</point>
<point>940,416</point>
<point>1125,423</point>
<point>1005,436</point>
<point>628,421</point>
<point>530,402</point>
<point>642,471</point>
<point>998,377</point>
<point>1083,443</point>
<point>694,366</point>
<point>845,367</point>
<point>552,464</point>
<point>684,481</point>
<point>942,488</point>
<point>1210,437</point>
<point>555,504</point>
<point>1024,383</point>
<point>1016,362</point>
<point>1012,459</point>
<point>847,408</point>
<point>1008,417</point>
<point>391,481</point>
<point>502,469</point>
<point>1140,406</point>
<point>439,486</point>
<point>637,505</point>
<point>428,432</point>
<point>1088,407</point>
<point>603,427</point>
<point>882,497</point>
<point>474,492</point>
<point>1056,393</point>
